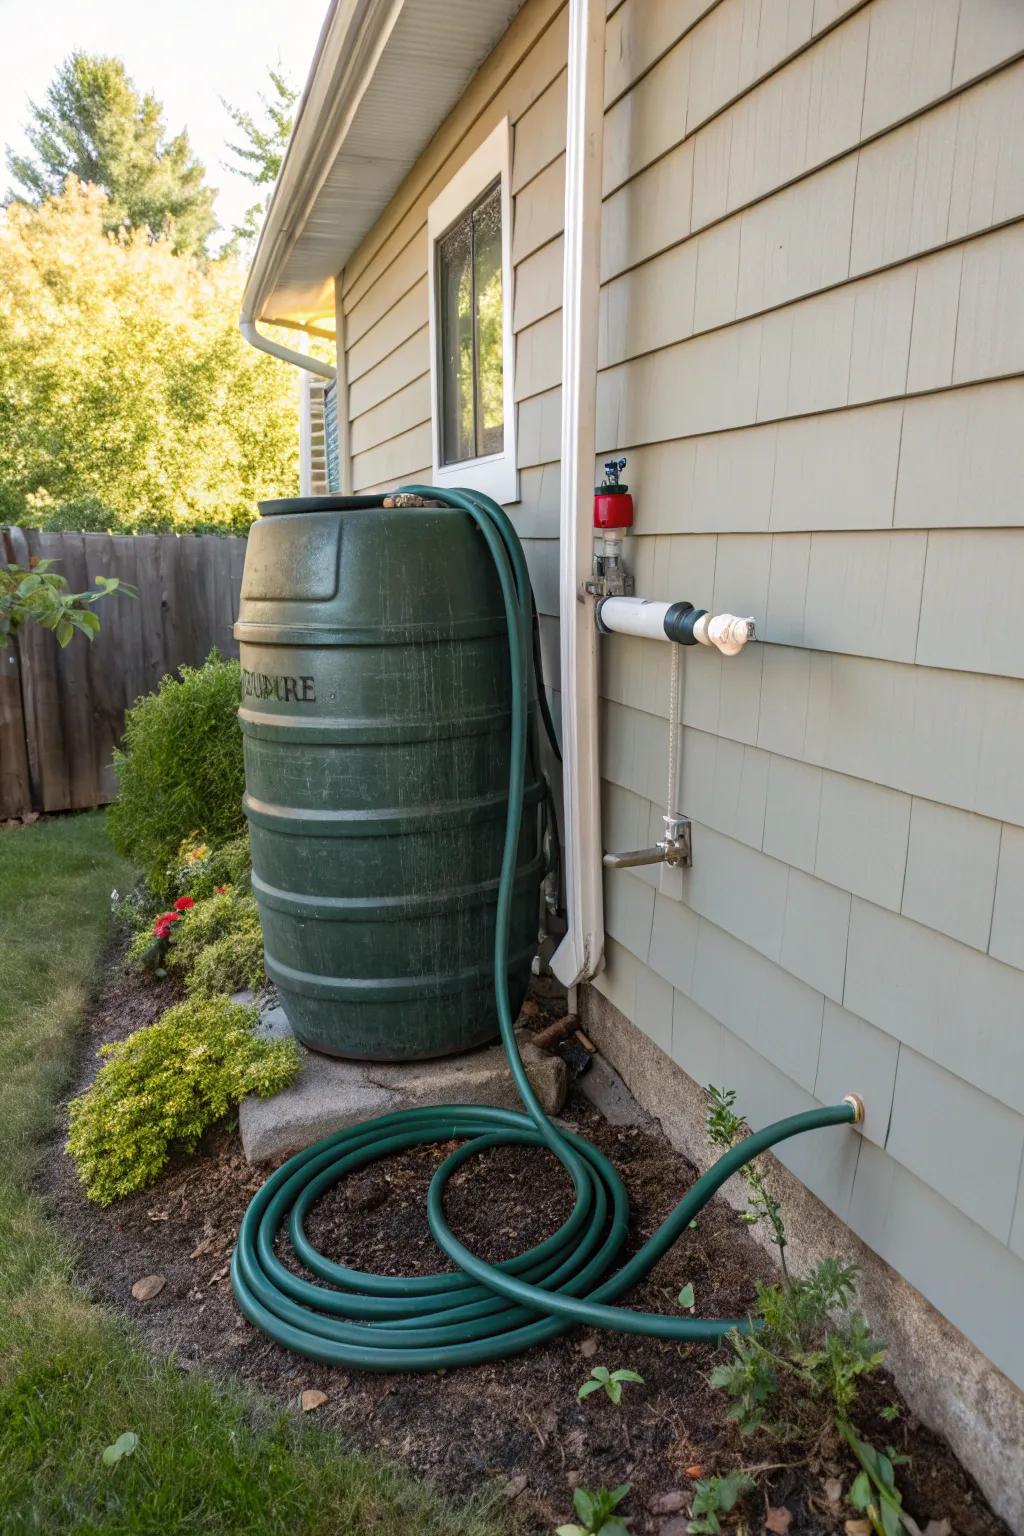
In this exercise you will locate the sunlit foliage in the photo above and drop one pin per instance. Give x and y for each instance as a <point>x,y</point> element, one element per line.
<point>128,399</point>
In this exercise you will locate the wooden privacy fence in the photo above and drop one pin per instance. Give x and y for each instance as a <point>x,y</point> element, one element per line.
<point>62,712</point>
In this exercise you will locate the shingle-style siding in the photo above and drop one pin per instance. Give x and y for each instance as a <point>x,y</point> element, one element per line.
<point>812,351</point>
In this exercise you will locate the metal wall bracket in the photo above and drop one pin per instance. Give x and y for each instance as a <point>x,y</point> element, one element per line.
<point>675,849</point>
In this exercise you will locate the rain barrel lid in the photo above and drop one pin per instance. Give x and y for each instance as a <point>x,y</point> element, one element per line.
<point>333,503</point>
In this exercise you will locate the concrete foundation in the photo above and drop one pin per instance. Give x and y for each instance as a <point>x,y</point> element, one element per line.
<point>945,1378</point>
<point>330,1094</point>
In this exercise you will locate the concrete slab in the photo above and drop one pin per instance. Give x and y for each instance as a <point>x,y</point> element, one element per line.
<point>329,1094</point>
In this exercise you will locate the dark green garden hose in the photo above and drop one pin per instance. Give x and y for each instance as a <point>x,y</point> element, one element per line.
<point>482,1311</point>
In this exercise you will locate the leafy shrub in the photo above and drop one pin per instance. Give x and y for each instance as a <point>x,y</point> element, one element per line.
<point>41,596</point>
<point>214,918</point>
<point>160,1089</point>
<point>180,772</point>
<point>229,963</point>
<point>200,870</point>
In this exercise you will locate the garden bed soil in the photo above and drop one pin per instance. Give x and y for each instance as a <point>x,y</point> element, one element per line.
<point>516,1424</point>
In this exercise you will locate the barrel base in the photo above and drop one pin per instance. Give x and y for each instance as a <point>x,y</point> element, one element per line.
<point>424,1031</point>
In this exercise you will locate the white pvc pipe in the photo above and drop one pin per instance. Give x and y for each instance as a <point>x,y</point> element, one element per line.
<point>634,616</point>
<point>581,953</point>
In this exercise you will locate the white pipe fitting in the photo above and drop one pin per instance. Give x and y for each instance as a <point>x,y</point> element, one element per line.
<point>724,631</point>
<point>651,620</point>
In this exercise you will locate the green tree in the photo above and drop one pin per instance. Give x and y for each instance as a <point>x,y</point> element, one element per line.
<point>128,399</point>
<point>261,152</point>
<point>95,126</point>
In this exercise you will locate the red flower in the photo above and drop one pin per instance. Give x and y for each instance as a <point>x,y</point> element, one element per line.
<point>161,929</point>
<point>183,903</point>
<point>221,890</point>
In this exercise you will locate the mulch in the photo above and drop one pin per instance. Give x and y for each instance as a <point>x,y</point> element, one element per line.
<point>516,1424</point>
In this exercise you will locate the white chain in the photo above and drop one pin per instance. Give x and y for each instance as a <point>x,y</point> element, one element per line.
<point>673,731</point>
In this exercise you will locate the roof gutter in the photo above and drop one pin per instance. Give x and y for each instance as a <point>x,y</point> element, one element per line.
<point>354,35</point>
<point>580,956</point>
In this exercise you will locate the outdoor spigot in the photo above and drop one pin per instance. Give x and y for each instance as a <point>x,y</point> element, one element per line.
<point>674,849</point>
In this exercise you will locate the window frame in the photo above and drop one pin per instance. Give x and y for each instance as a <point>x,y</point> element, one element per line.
<point>496,474</point>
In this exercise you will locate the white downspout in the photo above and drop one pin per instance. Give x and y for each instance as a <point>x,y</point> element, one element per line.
<point>581,953</point>
<point>262,343</point>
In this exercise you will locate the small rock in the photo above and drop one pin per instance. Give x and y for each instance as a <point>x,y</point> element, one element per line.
<point>588,1347</point>
<point>668,1503</point>
<point>677,1526</point>
<point>857,1528</point>
<point>833,1490</point>
<point>148,1287</point>
<point>695,1472</point>
<point>311,1399</point>
<point>572,1477</point>
<point>515,1486</point>
<point>778,1520</point>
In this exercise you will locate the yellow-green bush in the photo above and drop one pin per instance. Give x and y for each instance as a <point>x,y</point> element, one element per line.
<point>200,869</point>
<point>160,1089</point>
<point>215,917</point>
<point>229,963</point>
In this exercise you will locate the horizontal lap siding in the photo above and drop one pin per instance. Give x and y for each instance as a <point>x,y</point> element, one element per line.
<point>385,299</point>
<point>811,348</point>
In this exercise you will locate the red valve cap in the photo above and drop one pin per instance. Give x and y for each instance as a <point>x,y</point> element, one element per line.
<point>613,509</point>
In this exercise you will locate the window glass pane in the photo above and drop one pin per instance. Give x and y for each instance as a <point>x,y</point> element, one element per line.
<point>490,412</point>
<point>455,291</point>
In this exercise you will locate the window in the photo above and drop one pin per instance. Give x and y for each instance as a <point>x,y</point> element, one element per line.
<point>471,325</point>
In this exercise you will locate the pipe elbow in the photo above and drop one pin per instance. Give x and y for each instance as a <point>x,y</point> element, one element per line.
<point>724,631</point>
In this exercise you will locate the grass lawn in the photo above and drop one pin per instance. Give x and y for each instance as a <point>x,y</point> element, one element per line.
<point>72,1379</point>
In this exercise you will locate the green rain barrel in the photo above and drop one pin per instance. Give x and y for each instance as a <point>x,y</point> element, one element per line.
<point>375,717</point>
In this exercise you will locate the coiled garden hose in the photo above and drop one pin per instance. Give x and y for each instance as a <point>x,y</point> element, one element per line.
<point>481,1311</point>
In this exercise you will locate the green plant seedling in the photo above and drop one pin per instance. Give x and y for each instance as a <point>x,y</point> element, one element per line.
<point>891,1412</point>
<point>611,1381</point>
<point>686,1298</point>
<point>714,1496</point>
<point>125,1445</point>
<point>596,1510</point>
<point>873,1491</point>
<point>811,1338</point>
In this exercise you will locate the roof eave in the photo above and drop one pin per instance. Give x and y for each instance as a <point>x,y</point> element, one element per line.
<point>350,44</point>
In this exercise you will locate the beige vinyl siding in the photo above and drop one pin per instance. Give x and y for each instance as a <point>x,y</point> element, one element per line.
<point>812,352</point>
<point>385,303</point>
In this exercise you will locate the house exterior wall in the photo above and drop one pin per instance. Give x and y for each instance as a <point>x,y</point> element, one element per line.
<point>812,352</point>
